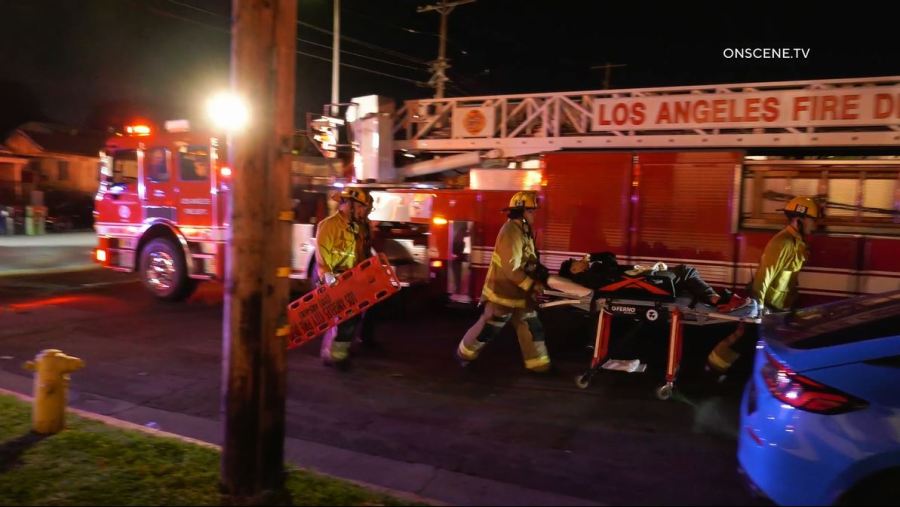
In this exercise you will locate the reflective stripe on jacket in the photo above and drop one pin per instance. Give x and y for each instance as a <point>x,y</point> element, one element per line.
<point>775,283</point>
<point>506,283</point>
<point>336,245</point>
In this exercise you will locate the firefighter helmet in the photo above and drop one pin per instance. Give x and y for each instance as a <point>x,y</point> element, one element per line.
<point>803,206</point>
<point>356,194</point>
<point>527,199</point>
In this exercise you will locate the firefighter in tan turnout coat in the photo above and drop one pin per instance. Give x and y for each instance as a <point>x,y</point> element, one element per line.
<point>509,295</point>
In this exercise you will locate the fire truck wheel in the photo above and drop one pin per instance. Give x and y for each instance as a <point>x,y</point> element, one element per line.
<point>164,272</point>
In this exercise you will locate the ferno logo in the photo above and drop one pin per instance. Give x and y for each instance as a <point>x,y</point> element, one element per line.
<point>624,309</point>
<point>474,121</point>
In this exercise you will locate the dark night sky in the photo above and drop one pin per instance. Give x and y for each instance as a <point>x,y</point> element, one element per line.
<point>95,62</point>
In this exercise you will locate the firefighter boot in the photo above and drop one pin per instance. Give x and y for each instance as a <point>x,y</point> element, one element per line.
<point>335,352</point>
<point>723,355</point>
<point>483,332</point>
<point>530,333</point>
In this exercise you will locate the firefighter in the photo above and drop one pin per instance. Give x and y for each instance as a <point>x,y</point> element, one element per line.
<point>509,295</point>
<point>774,286</point>
<point>337,250</point>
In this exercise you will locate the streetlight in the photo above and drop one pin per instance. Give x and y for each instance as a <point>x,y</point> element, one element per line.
<point>228,112</point>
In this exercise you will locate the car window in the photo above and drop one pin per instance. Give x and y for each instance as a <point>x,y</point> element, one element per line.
<point>156,164</point>
<point>854,320</point>
<point>888,326</point>
<point>193,163</point>
<point>125,166</point>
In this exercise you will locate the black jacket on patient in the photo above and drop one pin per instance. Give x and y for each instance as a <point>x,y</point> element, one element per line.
<point>604,269</point>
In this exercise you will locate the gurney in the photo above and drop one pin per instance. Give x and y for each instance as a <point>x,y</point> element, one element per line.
<point>651,296</point>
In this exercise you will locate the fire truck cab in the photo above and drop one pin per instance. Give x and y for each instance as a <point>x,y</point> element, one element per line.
<point>161,208</point>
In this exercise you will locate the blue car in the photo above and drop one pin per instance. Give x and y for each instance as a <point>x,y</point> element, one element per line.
<point>820,417</point>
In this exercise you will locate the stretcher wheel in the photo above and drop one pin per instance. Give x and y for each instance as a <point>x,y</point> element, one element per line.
<point>583,381</point>
<point>665,391</point>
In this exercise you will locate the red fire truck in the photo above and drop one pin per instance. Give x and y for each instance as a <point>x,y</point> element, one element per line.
<point>690,175</point>
<point>161,207</point>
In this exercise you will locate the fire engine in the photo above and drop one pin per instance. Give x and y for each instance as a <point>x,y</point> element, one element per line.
<point>692,175</point>
<point>161,208</point>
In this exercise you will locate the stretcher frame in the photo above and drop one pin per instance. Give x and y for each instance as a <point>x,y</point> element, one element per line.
<point>680,314</point>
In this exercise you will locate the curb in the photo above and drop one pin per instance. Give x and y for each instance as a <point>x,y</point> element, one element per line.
<point>118,423</point>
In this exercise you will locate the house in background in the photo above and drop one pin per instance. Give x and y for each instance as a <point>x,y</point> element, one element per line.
<point>49,157</point>
<point>52,166</point>
<point>11,166</point>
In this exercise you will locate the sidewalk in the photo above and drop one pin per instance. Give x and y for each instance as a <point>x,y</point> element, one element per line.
<point>86,239</point>
<point>46,253</point>
<point>403,479</point>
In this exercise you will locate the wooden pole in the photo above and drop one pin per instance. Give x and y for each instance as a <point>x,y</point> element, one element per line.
<point>258,254</point>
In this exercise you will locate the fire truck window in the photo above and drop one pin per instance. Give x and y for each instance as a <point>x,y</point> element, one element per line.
<point>125,168</point>
<point>859,197</point>
<point>194,164</point>
<point>157,169</point>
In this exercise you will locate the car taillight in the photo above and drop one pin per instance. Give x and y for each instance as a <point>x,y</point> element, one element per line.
<point>804,393</point>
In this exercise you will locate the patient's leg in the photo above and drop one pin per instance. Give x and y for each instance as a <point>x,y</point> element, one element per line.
<point>688,278</point>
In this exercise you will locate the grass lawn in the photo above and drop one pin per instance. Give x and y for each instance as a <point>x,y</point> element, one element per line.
<point>91,463</point>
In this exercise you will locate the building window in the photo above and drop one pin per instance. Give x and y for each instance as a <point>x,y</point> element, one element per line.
<point>860,196</point>
<point>62,167</point>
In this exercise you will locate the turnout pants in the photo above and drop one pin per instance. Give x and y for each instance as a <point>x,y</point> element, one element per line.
<point>528,328</point>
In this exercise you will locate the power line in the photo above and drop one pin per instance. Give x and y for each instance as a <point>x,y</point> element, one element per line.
<point>362,55</point>
<point>406,29</point>
<point>329,32</point>
<point>194,7</point>
<point>324,59</point>
<point>351,66</point>
<point>391,52</point>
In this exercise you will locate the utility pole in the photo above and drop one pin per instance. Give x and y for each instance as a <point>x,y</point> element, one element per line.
<point>439,67</point>
<point>607,71</point>
<point>255,330</point>
<point>336,58</point>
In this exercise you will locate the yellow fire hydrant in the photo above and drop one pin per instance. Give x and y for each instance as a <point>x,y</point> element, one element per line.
<point>51,389</point>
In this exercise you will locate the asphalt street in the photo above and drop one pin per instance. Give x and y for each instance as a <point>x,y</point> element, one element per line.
<point>407,401</point>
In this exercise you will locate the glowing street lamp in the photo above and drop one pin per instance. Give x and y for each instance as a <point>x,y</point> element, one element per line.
<point>228,112</point>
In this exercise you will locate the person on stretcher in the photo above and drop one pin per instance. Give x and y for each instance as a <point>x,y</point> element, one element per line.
<point>600,269</point>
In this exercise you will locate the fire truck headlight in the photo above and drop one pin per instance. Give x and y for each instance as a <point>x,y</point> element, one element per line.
<point>228,111</point>
<point>226,172</point>
<point>101,255</point>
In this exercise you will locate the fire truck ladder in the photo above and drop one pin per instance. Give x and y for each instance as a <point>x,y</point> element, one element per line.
<point>518,125</point>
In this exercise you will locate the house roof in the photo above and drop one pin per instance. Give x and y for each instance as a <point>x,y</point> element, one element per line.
<point>73,144</point>
<point>34,138</point>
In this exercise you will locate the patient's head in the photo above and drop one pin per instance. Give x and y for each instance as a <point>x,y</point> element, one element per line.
<point>571,267</point>
<point>579,265</point>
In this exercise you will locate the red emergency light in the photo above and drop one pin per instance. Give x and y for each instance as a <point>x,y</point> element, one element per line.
<point>137,130</point>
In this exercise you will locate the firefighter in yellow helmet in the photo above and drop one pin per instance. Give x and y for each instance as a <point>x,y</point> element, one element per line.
<point>775,283</point>
<point>337,250</point>
<point>509,293</point>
